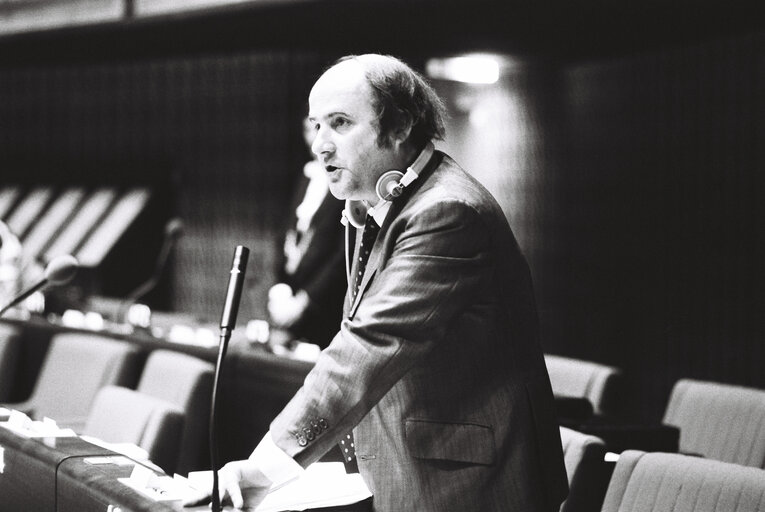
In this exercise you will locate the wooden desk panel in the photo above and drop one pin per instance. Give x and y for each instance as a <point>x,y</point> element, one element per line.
<point>28,478</point>
<point>85,487</point>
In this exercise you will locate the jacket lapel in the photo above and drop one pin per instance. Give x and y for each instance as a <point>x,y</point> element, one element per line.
<point>373,263</point>
<point>375,257</point>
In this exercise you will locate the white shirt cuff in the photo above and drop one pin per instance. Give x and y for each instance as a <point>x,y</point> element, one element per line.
<point>274,463</point>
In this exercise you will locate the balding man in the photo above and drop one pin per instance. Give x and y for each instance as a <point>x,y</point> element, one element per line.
<point>437,367</point>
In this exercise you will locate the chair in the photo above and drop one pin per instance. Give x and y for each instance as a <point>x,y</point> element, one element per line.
<point>719,421</point>
<point>121,415</point>
<point>587,471</point>
<point>10,345</point>
<point>659,482</point>
<point>584,379</point>
<point>185,381</point>
<point>76,366</point>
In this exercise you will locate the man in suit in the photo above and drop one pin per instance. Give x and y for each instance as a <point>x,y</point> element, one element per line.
<point>437,367</point>
<point>308,299</point>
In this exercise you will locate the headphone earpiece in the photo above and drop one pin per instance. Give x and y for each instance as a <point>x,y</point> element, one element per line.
<point>388,185</point>
<point>356,213</point>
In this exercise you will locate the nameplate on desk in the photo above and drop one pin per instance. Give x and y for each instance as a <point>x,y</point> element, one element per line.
<point>21,424</point>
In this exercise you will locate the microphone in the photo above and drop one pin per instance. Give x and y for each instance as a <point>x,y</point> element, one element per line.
<point>173,230</point>
<point>234,292</point>
<point>60,270</point>
<point>227,324</point>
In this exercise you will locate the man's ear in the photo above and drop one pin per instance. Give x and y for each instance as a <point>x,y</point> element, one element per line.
<point>401,134</point>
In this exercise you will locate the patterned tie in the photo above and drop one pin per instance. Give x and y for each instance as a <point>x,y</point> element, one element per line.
<point>348,449</point>
<point>347,446</point>
<point>367,241</point>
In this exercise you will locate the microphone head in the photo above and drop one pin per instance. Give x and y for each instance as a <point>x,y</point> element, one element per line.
<point>61,269</point>
<point>173,227</point>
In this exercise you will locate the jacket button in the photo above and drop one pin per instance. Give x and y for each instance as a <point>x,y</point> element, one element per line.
<point>309,434</point>
<point>323,424</point>
<point>301,440</point>
<point>315,427</point>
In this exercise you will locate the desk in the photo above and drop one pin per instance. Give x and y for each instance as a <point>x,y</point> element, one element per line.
<point>54,476</point>
<point>29,466</point>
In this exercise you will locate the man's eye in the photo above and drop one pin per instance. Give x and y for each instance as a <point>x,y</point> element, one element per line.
<point>339,122</point>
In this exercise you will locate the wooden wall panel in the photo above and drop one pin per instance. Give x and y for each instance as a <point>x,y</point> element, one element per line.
<point>222,132</point>
<point>662,179</point>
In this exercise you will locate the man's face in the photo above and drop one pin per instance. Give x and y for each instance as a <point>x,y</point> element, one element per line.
<point>346,142</point>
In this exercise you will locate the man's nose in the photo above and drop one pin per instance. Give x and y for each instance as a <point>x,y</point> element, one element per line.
<point>322,145</point>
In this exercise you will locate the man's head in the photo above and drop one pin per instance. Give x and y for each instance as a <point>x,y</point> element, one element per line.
<point>372,113</point>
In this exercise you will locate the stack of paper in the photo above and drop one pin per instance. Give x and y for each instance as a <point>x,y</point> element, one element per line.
<point>324,484</point>
<point>23,425</point>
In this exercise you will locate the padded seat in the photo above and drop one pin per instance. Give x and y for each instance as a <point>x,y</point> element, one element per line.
<point>587,471</point>
<point>577,378</point>
<point>76,366</point>
<point>185,381</point>
<point>719,421</point>
<point>661,482</point>
<point>121,415</point>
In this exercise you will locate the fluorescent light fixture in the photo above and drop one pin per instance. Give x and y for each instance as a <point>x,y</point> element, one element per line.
<point>471,69</point>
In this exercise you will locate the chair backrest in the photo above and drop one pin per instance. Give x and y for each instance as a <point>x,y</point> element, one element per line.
<point>121,415</point>
<point>76,366</point>
<point>9,354</point>
<point>719,421</point>
<point>658,482</point>
<point>587,471</point>
<point>185,381</point>
<point>584,379</point>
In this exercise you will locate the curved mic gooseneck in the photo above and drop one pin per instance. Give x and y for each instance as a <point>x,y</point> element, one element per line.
<point>173,230</point>
<point>227,324</point>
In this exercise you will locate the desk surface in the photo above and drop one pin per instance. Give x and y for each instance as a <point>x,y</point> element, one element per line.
<point>56,475</point>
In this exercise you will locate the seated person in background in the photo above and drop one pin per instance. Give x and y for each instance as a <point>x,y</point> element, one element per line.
<point>308,299</point>
<point>16,269</point>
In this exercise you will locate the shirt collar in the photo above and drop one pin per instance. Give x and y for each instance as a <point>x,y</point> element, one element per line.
<point>379,211</point>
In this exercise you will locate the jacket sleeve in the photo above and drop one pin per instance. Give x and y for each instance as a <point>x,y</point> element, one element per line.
<point>435,261</point>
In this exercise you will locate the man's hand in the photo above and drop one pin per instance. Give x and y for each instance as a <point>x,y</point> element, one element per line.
<point>242,482</point>
<point>284,308</point>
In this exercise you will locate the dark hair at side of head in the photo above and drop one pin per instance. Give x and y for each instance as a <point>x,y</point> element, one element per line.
<point>401,97</point>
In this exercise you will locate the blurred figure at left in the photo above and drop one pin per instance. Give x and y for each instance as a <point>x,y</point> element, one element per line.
<point>307,300</point>
<point>16,269</point>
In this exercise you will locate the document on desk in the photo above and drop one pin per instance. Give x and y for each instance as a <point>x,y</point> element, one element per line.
<point>323,484</point>
<point>23,425</point>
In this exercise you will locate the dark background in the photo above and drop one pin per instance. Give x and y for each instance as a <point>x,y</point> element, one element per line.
<point>632,185</point>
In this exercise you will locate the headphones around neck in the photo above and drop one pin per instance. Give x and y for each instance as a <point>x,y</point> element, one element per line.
<point>389,186</point>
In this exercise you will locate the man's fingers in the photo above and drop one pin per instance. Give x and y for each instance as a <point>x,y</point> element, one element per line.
<point>229,486</point>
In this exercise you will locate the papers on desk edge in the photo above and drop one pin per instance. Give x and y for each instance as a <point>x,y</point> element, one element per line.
<point>323,484</point>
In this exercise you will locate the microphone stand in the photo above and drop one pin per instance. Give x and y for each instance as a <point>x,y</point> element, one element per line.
<point>225,335</point>
<point>227,323</point>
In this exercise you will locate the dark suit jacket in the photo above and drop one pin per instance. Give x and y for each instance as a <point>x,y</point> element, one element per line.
<point>437,364</point>
<point>321,271</point>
